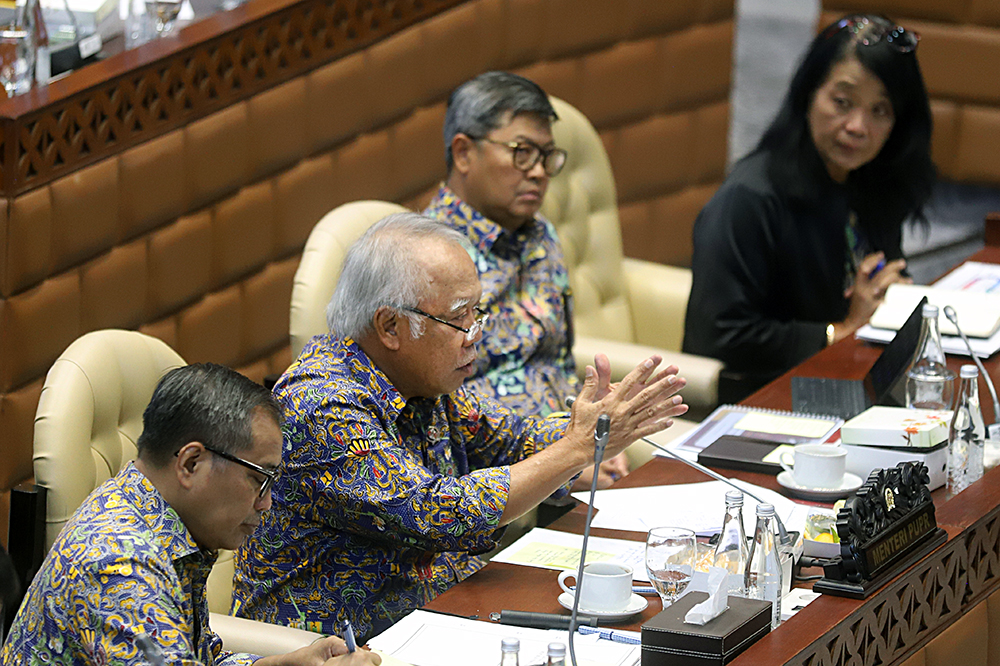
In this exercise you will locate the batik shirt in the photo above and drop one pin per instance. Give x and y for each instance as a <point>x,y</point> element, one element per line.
<point>382,504</point>
<point>123,565</point>
<point>526,356</point>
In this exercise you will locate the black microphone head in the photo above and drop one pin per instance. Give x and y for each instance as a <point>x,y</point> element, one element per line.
<point>603,427</point>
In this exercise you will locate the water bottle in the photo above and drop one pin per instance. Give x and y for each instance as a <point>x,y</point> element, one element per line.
<point>509,647</point>
<point>967,435</point>
<point>763,574</point>
<point>557,654</point>
<point>929,382</point>
<point>731,553</point>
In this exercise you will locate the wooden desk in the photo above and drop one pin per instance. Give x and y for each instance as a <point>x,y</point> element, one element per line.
<point>886,628</point>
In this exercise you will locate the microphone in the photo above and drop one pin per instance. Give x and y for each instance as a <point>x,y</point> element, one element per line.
<point>601,435</point>
<point>782,532</point>
<point>993,430</point>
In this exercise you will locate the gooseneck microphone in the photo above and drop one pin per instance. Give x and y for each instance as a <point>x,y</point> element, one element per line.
<point>993,429</point>
<point>601,435</point>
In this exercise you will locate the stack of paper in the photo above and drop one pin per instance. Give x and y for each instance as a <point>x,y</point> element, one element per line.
<point>431,639</point>
<point>696,506</point>
<point>971,277</point>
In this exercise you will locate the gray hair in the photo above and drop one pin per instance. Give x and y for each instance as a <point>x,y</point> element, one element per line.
<point>381,270</point>
<point>476,107</point>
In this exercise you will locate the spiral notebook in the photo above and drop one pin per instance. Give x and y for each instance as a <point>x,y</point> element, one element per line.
<point>761,425</point>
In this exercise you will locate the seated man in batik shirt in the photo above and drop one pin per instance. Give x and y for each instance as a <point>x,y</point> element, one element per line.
<point>395,476</point>
<point>500,156</point>
<point>135,557</point>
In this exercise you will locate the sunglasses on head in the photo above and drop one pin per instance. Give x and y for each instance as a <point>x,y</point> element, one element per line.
<point>870,32</point>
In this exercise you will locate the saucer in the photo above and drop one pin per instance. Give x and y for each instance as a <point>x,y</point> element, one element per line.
<point>636,604</point>
<point>850,483</point>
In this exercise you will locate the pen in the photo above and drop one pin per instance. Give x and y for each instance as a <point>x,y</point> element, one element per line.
<point>348,632</point>
<point>636,589</point>
<point>878,267</point>
<point>617,636</point>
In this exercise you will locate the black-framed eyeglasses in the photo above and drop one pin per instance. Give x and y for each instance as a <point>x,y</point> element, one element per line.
<point>527,154</point>
<point>872,32</point>
<point>270,475</point>
<point>470,333</point>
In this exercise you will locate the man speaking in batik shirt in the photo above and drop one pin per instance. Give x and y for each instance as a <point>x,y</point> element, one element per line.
<point>395,475</point>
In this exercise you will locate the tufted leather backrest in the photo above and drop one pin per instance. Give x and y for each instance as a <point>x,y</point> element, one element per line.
<point>322,259</point>
<point>89,419</point>
<point>582,205</point>
<point>89,415</point>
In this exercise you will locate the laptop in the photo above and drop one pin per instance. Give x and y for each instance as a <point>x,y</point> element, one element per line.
<point>885,383</point>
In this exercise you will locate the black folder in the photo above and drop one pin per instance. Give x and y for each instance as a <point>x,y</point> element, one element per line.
<point>736,452</point>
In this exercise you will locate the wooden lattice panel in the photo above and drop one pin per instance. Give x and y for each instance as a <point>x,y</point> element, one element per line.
<point>917,606</point>
<point>169,88</point>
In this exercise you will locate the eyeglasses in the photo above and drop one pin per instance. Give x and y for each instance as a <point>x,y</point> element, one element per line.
<point>872,32</point>
<point>528,154</point>
<point>470,333</point>
<point>270,476</point>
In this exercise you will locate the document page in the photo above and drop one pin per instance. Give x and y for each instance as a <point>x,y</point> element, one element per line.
<point>551,549</point>
<point>696,506</point>
<point>423,638</point>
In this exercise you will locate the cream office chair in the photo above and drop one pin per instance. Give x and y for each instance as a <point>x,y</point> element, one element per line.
<point>625,308</point>
<point>88,420</point>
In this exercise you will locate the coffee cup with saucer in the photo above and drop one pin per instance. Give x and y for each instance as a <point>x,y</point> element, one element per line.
<point>606,591</point>
<point>817,471</point>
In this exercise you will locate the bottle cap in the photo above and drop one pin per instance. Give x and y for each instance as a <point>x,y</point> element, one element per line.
<point>510,645</point>
<point>557,649</point>
<point>930,310</point>
<point>734,498</point>
<point>764,509</point>
<point>969,372</point>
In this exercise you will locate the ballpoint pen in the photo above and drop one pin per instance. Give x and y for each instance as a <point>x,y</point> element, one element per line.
<point>348,632</point>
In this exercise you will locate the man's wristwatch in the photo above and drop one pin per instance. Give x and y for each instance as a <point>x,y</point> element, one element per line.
<point>829,334</point>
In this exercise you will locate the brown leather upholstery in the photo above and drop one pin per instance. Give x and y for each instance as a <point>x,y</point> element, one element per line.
<point>959,54</point>
<point>973,640</point>
<point>194,237</point>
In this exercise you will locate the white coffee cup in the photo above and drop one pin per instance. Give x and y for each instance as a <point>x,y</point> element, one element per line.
<point>816,465</point>
<point>607,586</point>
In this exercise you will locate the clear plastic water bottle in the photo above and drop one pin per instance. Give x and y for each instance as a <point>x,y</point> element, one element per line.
<point>967,435</point>
<point>763,575</point>
<point>509,649</point>
<point>557,654</point>
<point>929,382</point>
<point>731,553</point>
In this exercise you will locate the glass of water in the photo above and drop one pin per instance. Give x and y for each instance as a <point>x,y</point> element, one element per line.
<point>670,560</point>
<point>16,60</point>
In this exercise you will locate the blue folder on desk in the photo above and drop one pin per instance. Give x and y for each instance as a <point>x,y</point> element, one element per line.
<point>885,383</point>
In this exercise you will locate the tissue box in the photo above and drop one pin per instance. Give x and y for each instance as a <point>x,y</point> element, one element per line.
<point>668,641</point>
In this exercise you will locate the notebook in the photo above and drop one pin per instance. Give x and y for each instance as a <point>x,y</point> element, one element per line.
<point>885,383</point>
<point>757,423</point>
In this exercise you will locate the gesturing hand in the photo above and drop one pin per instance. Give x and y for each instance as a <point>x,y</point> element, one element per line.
<point>643,403</point>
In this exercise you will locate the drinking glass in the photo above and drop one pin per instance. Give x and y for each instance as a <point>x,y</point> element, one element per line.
<point>670,559</point>
<point>164,12</point>
<point>16,60</point>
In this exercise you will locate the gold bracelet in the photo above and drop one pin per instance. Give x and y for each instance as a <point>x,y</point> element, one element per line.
<point>829,334</point>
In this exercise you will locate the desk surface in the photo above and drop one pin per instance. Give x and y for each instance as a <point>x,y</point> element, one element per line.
<point>885,628</point>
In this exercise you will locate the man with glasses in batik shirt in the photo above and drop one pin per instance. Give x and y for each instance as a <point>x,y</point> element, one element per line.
<point>125,580</point>
<point>500,156</point>
<point>395,475</point>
